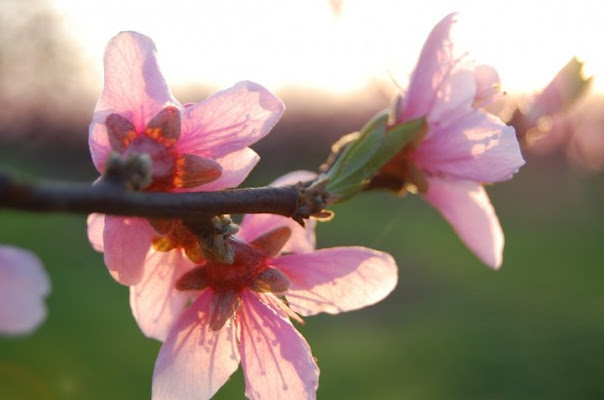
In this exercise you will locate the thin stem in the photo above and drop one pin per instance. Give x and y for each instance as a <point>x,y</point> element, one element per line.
<point>85,199</point>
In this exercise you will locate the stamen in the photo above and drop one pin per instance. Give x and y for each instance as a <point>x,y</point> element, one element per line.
<point>162,243</point>
<point>417,178</point>
<point>154,133</point>
<point>192,171</point>
<point>194,254</point>
<point>172,234</point>
<point>177,182</point>
<point>280,303</point>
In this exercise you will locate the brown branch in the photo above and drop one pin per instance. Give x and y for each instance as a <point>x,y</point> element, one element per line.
<point>85,199</point>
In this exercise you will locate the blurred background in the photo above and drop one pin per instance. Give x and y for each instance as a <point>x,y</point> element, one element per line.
<point>452,329</point>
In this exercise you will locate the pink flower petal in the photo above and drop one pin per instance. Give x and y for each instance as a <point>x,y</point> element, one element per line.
<point>96,227</point>
<point>453,99</point>
<point>229,120</point>
<point>487,85</point>
<point>154,301</point>
<point>566,88</point>
<point>98,142</point>
<point>126,242</point>
<point>468,209</point>
<point>236,166</point>
<point>194,361</point>
<point>435,63</point>
<point>445,84</point>
<point>134,88</point>
<point>277,361</point>
<point>302,238</point>
<point>23,287</point>
<point>477,147</point>
<point>292,178</point>
<point>337,279</point>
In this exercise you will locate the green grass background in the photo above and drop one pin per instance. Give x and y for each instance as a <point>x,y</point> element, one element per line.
<point>452,329</point>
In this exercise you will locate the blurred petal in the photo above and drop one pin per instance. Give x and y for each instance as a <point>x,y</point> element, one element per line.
<point>98,142</point>
<point>453,99</point>
<point>567,87</point>
<point>337,279</point>
<point>127,241</point>
<point>487,85</point>
<point>96,227</point>
<point>277,361</point>
<point>586,146</point>
<point>155,302</point>
<point>23,287</point>
<point>194,361</point>
<point>466,206</point>
<point>477,146</point>
<point>134,88</point>
<point>230,120</point>
<point>302,239</point>
<point>293,178</point>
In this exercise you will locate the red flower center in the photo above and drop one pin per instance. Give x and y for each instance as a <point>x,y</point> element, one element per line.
<point>248,271</point>
<point>170,169</point>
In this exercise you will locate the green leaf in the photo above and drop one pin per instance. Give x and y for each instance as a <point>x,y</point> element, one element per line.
<point>364,156</point>
<point>359,150</point>
<point>398,137</point>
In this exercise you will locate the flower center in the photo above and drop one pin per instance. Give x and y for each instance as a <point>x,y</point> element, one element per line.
<point>248,271</point>
<point>401,174</point>
<point>170,169</point>
<point>163,162</point>
<point>248,264</point>
<point>173,234</point>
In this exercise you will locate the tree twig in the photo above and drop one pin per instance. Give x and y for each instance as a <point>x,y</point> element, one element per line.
<point>86,199</point>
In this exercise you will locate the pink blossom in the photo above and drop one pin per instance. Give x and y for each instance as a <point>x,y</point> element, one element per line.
<point>464,146</point>
<point>566,88</point>
<point>550,120</point>
<point>198,147</point>
<point>154,302</point>
<point>23,287</point>
<point>239,313</point>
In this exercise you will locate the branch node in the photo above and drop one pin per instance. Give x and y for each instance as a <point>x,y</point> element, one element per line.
<point>312,201</point>
<point>214,236</point>
<point>133,172</point>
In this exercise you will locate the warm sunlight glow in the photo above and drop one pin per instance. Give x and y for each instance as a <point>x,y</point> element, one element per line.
<point>339,49</point>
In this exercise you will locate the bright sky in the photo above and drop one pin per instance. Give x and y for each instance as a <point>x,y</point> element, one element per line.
<point>304,43</point>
